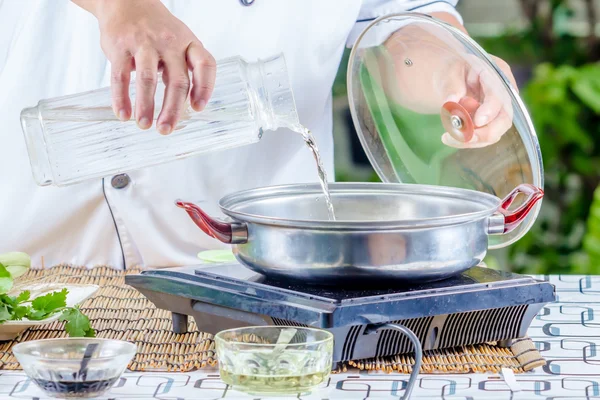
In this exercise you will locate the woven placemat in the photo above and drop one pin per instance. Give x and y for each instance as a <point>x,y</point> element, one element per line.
<point>118,311</point>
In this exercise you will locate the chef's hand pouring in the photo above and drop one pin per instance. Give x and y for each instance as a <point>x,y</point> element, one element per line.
<point>142,35</point>
<point>432,73</point>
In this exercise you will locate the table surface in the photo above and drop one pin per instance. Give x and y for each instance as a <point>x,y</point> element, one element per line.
<point>566,333</point>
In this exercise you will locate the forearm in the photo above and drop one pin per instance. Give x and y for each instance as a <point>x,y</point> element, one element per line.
<point>449,19</point>
<point>90,6</point>
<point>102,8</point>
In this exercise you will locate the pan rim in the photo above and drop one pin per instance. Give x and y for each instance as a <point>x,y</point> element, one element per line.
<point>490,205</point>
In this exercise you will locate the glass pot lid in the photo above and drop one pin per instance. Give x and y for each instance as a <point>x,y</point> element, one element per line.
<point>431,107</point>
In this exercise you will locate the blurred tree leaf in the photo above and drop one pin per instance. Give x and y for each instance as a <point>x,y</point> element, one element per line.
<point>587,87</point>
<point>588,260</point>
<point>564,102</point>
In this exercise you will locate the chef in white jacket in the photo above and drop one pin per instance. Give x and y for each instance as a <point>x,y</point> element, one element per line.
<point>50,48</point>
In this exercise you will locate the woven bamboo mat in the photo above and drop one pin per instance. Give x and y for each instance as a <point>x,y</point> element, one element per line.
<point>118,311</point>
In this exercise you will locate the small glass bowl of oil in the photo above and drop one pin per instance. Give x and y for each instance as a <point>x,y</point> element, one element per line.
<point>274,360</point>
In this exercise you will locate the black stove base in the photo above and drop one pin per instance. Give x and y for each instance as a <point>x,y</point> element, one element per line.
<point>479,306</point>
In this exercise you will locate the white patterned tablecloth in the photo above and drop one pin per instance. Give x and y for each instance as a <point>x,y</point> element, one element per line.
<point>567,333</point>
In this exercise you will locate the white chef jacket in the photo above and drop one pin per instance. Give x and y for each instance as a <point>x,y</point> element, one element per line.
<point>51,48</point>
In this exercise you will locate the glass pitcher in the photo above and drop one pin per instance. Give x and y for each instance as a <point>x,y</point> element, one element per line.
<point>78,137</point>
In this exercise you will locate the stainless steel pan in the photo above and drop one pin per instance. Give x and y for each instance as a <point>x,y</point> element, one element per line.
<point>383,231</point>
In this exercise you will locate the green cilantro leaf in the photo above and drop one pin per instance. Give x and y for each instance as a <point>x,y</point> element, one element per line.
<point>4,313</point>
<point>6,280</point>
<point>12,306</point>
<point>34,315</point>
<point>10,301</point>
<point>20,312</point>
<point>50,302</point>
<point>78,324</point>
<point>23,296</point>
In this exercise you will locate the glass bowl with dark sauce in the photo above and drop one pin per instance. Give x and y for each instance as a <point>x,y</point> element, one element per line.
<point>75,368</point>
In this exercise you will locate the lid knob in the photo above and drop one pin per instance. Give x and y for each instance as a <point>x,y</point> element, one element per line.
<point>457,118</point>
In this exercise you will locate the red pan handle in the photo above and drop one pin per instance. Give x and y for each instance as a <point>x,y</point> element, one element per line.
<point>225,232</point>
<point>513,218</point>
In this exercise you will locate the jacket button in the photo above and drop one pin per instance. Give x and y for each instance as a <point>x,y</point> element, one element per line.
<point>120,181</point>
<point>247,2</point>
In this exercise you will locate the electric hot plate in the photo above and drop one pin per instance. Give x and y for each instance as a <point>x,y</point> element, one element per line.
<point>478,306</point>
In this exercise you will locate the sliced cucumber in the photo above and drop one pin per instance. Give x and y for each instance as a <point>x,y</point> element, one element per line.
<point>16,270</point>
<point>15,258</point>
<point>16,263</point>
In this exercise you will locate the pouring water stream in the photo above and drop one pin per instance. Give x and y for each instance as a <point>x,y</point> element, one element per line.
<point>309,139</point>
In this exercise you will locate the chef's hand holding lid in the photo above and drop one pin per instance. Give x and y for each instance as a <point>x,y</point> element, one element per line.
<point>477,91</point>
<point>142,35</point>
<point>424,68</point>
